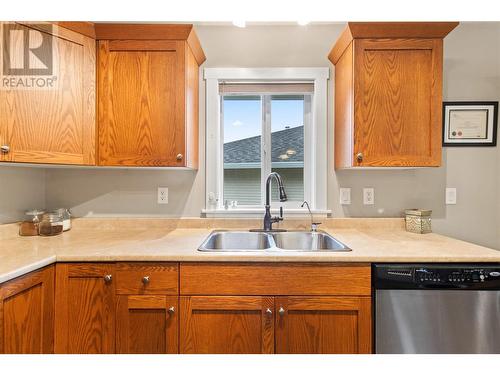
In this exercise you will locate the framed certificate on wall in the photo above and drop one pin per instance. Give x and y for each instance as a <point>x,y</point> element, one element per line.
<point>470,123</point>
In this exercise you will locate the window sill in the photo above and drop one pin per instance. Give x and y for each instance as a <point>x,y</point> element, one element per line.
<point>259,212</point>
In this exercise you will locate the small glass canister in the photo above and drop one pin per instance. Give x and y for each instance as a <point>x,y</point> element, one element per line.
<point>66,217</point>
<point>418,220</point>
<point>29,227</point>
<point>51,224</point>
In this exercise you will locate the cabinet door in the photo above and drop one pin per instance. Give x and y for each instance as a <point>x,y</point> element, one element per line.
<point>54,123</point>
<point>222,325</point>
<point>146,325</point>
<point>322,325</point>
<point>397,102</point>
<point>141,102</point>
<point>85,308</point>
<point>27,314</point>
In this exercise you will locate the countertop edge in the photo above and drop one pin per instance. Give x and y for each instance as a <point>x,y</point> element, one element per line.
<point>23,270</point>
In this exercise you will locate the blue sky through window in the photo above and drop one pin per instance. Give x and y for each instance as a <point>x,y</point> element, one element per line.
<point>242,118</point>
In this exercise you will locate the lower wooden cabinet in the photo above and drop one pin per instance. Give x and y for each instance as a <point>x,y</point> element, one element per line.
<point>112,308</point>
<point>85,308</point>
<point>147,324</point>
<point>99,308</point>
<point>285,325</point>
<point>27,313</point>
<point>323,325</point>
<point>222,325</point>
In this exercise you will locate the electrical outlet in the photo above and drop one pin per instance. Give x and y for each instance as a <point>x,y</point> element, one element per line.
<point>162,195</point>
<point>368,196</point>
<point>345,195</point>
<point>451,196</point>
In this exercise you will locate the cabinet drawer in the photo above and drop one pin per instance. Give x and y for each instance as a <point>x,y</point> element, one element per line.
<point>147,278</point>
<point>275,279</point>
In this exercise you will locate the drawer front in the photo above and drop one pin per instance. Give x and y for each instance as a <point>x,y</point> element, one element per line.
<point>275,279</point>
<point>147,278</point>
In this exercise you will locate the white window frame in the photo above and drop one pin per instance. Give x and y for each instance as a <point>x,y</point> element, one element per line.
<point>315,137</point>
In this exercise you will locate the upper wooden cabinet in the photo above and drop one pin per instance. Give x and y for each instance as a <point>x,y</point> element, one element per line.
<point>388,94</point>
<point>148,95</point>
<point>53,123</point>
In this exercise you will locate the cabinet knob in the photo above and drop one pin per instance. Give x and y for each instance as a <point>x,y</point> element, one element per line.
<point>171,309</point>
<point>281,311</point>
<point>179,157</point>
<point>145,280</point>
<point>5,149</point>
<point>269,311</point>
<point>108,278</point>
<point>359,157</point>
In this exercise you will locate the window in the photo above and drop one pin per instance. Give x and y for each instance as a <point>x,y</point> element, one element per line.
<point>248,121</point>
<point>255,126</point>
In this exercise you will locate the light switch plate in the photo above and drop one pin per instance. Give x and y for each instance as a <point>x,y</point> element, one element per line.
<point>451,196</point>
<point>162,195</point>
<point>345,195</point>
<point>368,196</point>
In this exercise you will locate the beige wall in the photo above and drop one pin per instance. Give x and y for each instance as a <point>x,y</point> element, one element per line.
<point>472,71</point>
<point>21,189</point>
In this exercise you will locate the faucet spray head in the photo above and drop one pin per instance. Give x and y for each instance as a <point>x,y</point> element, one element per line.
<point>283,197</point>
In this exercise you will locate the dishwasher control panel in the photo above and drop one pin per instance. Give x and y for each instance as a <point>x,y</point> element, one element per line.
<point>417,276</point>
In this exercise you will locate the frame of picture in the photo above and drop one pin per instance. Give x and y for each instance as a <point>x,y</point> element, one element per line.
<point>470,124</point>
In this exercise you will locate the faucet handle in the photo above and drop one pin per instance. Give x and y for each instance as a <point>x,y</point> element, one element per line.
<point>314,226</point>
<point>281,212</point>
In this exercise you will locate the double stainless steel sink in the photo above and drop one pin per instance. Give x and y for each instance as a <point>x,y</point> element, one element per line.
<point>242,241</point>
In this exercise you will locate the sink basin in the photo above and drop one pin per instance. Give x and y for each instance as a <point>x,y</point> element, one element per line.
<point>237,241</point>
<point>307,241</point>
<point>242,241</point>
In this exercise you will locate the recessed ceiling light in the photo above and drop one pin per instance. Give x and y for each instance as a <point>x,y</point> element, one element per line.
<point>283,156</point>
<point>303,22</point>
<point>291,152</point>
<point>239,23</point>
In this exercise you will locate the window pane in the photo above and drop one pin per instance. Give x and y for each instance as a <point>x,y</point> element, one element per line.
<point>287,144</point>
<point>242,116</point>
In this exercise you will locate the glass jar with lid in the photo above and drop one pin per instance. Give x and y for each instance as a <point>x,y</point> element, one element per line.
<point>51,224</point>
<point>29,227</point>
<point>66,217</point>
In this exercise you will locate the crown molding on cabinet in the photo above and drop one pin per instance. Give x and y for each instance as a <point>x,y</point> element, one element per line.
<point>132,31</point>
<point>377,30</point>
<point>85,28</point>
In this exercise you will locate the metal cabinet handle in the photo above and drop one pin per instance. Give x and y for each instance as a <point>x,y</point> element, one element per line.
<point>281,311</point>
<point>179,157</point>
<point>269,311</point>
<point>171,309</point>
<point>145,280</point>
<point>359,157</point>
<point>108,278</point>
<point>5,149</point>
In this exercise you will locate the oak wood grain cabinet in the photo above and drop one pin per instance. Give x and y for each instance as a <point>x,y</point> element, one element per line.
<point>85,308</point>
<point>323,325</point>
<point>147,308</point>
<point>27,313</point>
<point>306,307</point>
<point>146,324</point>
<point>227,325</point>
<point>388,94</point>
<point>54,124</point>
<point>148,95</point>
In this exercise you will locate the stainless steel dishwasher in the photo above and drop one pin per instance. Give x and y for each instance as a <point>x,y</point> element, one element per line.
<point>437,308</point>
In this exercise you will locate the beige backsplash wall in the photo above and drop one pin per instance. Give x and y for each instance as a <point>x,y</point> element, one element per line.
<point>21,188</point>
<point>471,71</point>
